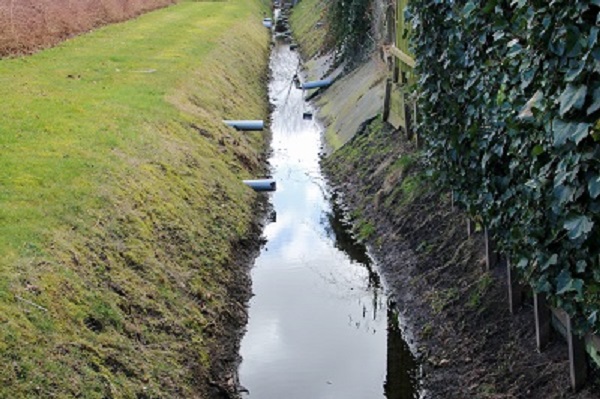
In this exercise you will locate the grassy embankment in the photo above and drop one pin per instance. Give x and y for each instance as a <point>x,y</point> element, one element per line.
<point>120,198</point>
<point>309,21</point>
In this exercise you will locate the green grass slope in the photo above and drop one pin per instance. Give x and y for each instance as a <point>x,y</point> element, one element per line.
<point>120,199</point>
<point>309,24</point>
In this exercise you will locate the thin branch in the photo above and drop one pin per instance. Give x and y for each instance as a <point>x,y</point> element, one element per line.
<point>31,303</point>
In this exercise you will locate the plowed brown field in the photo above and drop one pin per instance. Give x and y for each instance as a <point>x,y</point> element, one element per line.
<point>29,25</point>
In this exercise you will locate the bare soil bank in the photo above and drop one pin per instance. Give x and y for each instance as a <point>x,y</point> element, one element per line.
<point>467,342</point>
<point>229,326</point>
<point>29,25</point>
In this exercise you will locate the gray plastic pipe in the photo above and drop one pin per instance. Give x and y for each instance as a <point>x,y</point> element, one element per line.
<point>246,125</point>
<point>261,184</point>
<point>316,84</point>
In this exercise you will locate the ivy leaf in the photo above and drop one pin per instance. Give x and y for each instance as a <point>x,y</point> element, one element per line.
<point>543,285</point>
<point>581,266</point>
<point>489,6</point>
<point>565,283</point>
<point>563,194</point>
<point>575,71</point>
<point>578,226</point>
<point>593,37</point>
<point>594,186</point>
<point>572,97</point>
<point>537,150</point>
<point>581,131</point>
<point>514,48</point>
<point>573,131</point>
<point>526,113</point>
<point>550,262</point>
<point>527,78</point>
<point>596,104</point>
<point>574,46</point>
<point>469,7</point>
<point>593,317</point>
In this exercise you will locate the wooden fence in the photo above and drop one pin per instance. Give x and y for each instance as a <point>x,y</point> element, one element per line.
<point>400,106</point>
<point>400,110</point>
<point>548,319</point>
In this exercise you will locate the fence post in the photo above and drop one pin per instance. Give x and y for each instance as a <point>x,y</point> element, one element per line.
<point>515,294</point>
<point>419,141</point>
<point>491,257</point>
<point>396,70</point>
<point>577,358</point>
<point>387,99</point>
<point>542,320</point>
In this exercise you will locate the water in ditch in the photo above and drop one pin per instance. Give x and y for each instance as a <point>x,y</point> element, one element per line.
<point>319,326</point>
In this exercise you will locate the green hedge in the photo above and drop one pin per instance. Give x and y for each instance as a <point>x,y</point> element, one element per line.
<point>509,107</point>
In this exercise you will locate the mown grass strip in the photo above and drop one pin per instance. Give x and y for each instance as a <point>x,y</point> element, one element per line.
<point>68,112</point>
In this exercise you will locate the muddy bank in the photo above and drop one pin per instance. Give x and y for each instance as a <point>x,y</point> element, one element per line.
<point>230,326</point>
<point>456,313</point>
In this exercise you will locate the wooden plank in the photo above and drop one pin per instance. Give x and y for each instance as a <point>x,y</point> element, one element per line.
<point>515,293</point>
<point>491,257</point>
<point>542,321</point>
<point>387,99</point>
<point>560,321</point>
<point>413,126</point>
<point>402,56</point>
<point>577,358</point>
<point>397,116</point>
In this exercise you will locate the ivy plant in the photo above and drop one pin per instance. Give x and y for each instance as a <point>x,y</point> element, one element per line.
<point>509,96</point>
<point>350,29</point>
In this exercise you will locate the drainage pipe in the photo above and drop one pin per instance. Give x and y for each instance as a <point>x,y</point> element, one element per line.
<point>316,84</point>
<point>261,184</point>
<point>254,125</point>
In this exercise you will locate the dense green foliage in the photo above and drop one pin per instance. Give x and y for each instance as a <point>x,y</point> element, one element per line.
<point>350,27</point>
<point>509,106</point>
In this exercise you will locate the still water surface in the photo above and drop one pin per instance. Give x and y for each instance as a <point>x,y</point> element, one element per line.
<point>319,323</point>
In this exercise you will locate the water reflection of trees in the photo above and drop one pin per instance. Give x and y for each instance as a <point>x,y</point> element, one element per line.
<point>401,380</point>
